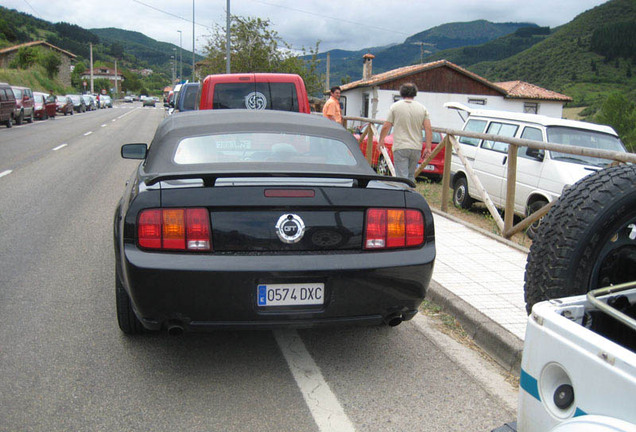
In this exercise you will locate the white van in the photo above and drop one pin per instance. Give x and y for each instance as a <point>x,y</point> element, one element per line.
<point>541,175</point>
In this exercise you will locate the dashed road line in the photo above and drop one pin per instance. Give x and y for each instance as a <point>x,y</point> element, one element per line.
<point>4,173</point>
<point>103,125</point>
<point>60,147</point>
<point>88,133</point>
<point>321,401</point>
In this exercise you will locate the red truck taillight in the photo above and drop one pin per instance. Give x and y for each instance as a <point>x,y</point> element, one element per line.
<point>393,228</point>
<point>174,229</point>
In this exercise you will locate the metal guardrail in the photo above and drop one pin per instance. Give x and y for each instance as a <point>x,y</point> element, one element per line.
<point>451,145</point>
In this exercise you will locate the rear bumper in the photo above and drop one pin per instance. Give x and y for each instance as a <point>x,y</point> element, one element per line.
<point>200,292</point>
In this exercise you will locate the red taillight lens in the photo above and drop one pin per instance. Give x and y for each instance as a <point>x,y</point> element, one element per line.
<point>198,229</point>
<point>393,228</point>
<point>149,229</point>
<point>174,229</point>
<point>414,228</point>
<point>375,237</point>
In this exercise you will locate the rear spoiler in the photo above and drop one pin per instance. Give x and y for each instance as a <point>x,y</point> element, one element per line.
<point>209,179</point>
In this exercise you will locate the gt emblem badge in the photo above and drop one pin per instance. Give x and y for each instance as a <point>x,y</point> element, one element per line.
<point>290,228</point>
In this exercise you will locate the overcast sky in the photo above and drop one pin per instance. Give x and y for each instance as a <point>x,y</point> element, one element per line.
<point>346,24</point>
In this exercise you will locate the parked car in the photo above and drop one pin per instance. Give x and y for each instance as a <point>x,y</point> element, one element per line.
<point>106,101</point>
<point>78,103</point>
<point>128,99</point>
<point>187,97</point>
<point>148,101</point>
<point>64,105</point>
<point>24,104</point>
<point>40,106</point>
<point>7,105</point>
<point>255,91</point>
<point>89,101</point>
<point>433,170</point>
<point>240,219</point>
<point>541,175</point>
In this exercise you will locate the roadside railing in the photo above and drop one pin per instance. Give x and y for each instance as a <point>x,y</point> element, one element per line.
<point>505,225</point>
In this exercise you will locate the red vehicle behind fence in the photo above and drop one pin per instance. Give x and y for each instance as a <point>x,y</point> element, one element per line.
<point>433,170</point>
<point>255,91</point>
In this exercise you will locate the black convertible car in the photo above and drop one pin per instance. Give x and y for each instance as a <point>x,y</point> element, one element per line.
<point>243,219</point>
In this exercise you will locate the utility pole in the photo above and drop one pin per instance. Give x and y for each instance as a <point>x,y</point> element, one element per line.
<point>116,88</point>
<point>193,80</point>
<point>92,86</point>
<point>227,42</point>
<point>180,59</point>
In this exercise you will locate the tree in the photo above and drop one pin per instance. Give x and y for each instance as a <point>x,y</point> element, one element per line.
<point>76,75</point>
<point>51,62</point>
<point>255,47</point>
<point>25,58</point>
<point>620,113</point>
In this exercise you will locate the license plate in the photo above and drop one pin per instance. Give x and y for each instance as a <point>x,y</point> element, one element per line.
<point>429,168</point>
<point>291,294</point>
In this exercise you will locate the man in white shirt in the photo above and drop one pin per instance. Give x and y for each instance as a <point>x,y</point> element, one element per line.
<point>408,118</point>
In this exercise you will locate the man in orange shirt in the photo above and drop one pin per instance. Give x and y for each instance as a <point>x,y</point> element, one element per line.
<point>331,110</point>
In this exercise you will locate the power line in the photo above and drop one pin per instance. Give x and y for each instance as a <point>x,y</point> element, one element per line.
<point>34,11</point>
<point>171,14</point>
<point>364,25</point>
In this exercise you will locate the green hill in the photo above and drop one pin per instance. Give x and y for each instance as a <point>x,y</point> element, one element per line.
<point>587,59</point>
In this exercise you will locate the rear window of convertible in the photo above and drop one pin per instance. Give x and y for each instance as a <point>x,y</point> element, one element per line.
<point>260,147</point>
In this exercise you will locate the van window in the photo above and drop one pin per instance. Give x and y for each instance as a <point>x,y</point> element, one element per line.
<point>274,96</point>
<point>17,93</point>
<point>582,138</point>
<point>530,133</point>
<point>3,95</point>
<point>473,126</point>
<point>503,129</point>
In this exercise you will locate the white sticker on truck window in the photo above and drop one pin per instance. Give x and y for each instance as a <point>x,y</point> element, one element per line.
<point>255,101</point>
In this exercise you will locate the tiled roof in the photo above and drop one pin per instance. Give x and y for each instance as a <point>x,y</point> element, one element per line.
<point>524,90</point>
<point>34,43</point>
<point>509,89</point>
<point>410,70</point>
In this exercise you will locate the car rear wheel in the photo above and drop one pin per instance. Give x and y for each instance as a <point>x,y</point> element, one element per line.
<point>20,118</point>
<point>382,168</point>
<point>10,122</point>
<point>587,240</point>
<point>30,119</point>
<point>461,198</point>
<point>126,318</point>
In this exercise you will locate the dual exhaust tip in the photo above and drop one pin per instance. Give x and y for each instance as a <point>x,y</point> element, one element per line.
<point>176,328</point>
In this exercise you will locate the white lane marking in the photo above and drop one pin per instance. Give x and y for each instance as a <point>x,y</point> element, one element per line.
<point>103,125</point>
<point>59,147</point>
<point>4,173</point>
<point>125,114</point>
<point>323,404</point>
<point>88,133</point>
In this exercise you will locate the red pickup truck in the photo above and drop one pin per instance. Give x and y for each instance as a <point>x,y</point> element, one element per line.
<point>257,91</point>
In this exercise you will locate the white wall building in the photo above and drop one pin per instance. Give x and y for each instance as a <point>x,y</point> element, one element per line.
<point>440,82</point>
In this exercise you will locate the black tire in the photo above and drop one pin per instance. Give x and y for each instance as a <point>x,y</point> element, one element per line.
<point>10,122</point>
<point>20,118</point>
<point>72,112</point>
<point>30,119</point>
<point>126,318</point>
<point>461,198</point>
<point>583,243</point>
<point>534,228</point>
<point>382,168</point>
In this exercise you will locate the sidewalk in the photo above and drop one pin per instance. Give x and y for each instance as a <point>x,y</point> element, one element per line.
<point>478,278</point>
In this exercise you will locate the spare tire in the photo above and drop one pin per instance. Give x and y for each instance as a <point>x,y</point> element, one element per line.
<point>587,240</point>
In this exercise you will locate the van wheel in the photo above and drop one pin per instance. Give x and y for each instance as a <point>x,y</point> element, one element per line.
<point>534,228</point>
<point>461,198</point>
<point>10,122</point>
<point>587,240</point>
<point>20,118</point>
<point>30,119</point>
<point>382,168</point>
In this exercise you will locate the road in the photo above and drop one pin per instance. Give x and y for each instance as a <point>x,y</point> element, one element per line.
<point>64,364</point>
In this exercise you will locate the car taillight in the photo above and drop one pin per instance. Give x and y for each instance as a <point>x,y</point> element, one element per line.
<point>174,229</point>
<point>393,228</point>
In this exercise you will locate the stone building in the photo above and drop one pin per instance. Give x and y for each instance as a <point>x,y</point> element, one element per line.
<point>64,72</point>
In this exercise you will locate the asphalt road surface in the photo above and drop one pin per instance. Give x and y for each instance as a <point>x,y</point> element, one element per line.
<point>65,366</point>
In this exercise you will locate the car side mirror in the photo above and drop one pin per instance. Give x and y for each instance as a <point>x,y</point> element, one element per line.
<point>535,154</point>
<point>134,151</point>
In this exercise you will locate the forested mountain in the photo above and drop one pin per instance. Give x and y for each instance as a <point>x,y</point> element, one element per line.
<point>587,58</point>
<point>347,65</point>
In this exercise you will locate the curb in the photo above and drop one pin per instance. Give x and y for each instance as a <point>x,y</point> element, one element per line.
<point>504,347</point>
